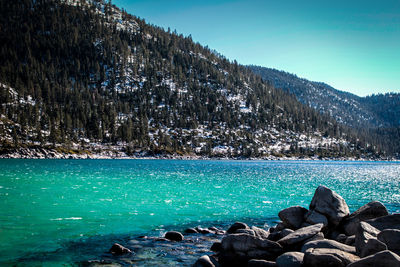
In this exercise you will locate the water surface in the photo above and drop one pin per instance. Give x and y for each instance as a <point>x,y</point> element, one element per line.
<point>65,211</point>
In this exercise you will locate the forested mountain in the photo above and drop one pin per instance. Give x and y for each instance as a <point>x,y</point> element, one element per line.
<point>84,75</point>
<point>377,116</point>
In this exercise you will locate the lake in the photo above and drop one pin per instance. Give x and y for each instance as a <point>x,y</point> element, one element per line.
<point>64,211</point>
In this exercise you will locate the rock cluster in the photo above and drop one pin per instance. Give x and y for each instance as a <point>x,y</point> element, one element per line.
<point>324,235</point>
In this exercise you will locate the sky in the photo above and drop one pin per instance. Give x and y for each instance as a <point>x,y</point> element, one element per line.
<point>351,45</point>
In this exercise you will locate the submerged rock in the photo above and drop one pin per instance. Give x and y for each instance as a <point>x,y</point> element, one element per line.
<point>369,211</point>
<point>330,204</point>
<point>118,249</point>
<point>174,236</point>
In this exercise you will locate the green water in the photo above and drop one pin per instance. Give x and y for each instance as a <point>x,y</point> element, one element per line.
<point>65,211</point>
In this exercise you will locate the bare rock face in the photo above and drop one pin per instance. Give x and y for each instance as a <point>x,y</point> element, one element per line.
<point>391,237</point>
<point>317,257</point>
<point>372,246</point>
<point>290,259</point>
<point>327,243</point>
<point>364,232</point>
<point>292,217</point>
<point>301,235</point>
<point>118,250</point>
<point>236,226</point>
<point>381,259</point>
<point>372,210</point>
<point>330,204</point>
<point>314,217</point>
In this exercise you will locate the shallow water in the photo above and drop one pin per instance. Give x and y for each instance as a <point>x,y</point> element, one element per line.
<point>66,211</point>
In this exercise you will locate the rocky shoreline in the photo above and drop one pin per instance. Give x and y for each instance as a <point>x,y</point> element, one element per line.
<point>326,234</point>
<point>46,153</point>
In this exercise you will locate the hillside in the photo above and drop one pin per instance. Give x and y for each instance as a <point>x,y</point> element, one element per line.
<point>86,77</point>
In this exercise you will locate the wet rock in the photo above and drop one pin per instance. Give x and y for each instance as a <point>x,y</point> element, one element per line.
<point>327,243</point>
<point>237,226</point>
<point>369,211</point>
<point>372,246</point>
<point>290,259</point>
<point>300,235</point>
<point>261,263</point>
<point>174,236</point>
<point>391,237</point>
<point>381,259</point>
<point>364,232</point>
<point>162,239</point>
<point>244,243</point>
<point>206,261</point>
<point>204,231</point>
<point>330,204</point>
<point>216,247</point>
<point>314,217</point>
<point>317,257</point>
<point>261,233</point>
<point>293,217</point>
<point>118,249</point>
<point>213,228</point>
<point>350,240</point>
<point>386,222</point>
<point>191,231</point>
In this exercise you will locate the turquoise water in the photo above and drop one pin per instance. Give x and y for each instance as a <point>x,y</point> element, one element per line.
<point>64,211</point>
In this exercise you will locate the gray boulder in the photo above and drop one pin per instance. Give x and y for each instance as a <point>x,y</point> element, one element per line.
<point>237,226</point>
<point>261,233</point>
<point>261,263</point>
<point>381,259</point>
<point>350,240</point>
<point>279,234</point>
<point>314,217</point>
<point>391,237</point>
<point>173,236</point>
<point>290,259</point>
<point>245,243</point>
<point>317,257</point>
<point>330,204</point>
<point>372,246</point>
<point>292,217</point>
<point>327,243</point>
<point>301,235</point>
<point>386,222</point>
<point>245,231</point>
<point>206,261</point>
<point>364,232</point>
<point>369,211</point>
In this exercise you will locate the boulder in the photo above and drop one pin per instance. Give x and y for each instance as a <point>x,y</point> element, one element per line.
<point>364,232</point>
<point>279,234</point>
<point>245,243</point>
<point>216,247</point>
<point>290,259</point>
<point>384,258</point>
<point>191,231</point>
<point>245,231</point>
<point>204,231</point>
<point>369,211</point>
<point>293,217</point>
<point>317,257</point>
<point>371,247</point>
<point>330,204</point>
<point>314,217</point>
<point>261,233</point>
<point>341,238</point>
<point>237,226</point>
<point>261,263</point>
<point>391,237</point>
<point>206,261</point>
<point>319,236</point>
<point>301,235</point>
<point>386,222</point>
<point>118,249</point>
<point>174,236</point>
<point>350,240</point>
<point>327,243</point>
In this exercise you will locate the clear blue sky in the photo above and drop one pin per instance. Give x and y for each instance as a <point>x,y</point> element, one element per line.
<point>352,45</point>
